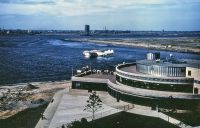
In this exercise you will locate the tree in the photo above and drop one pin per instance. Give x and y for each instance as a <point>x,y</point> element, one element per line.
<point>83,123</point>
<point>94,104</point>
<point>172,105</point>
<point>169,105</point>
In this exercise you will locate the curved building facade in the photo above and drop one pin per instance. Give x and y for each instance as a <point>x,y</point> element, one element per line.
<point>167,74</point>
<point>151,82</point>
<point>161,69</point>
<point>128,75</point>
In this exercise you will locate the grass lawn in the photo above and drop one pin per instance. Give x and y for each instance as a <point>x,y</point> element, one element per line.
<point>25,119</point>
<point>129,120</point>
<point>192,118</point>
<point>125,120</point>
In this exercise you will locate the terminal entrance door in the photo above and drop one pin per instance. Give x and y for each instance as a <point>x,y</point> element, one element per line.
<point>196,90</point>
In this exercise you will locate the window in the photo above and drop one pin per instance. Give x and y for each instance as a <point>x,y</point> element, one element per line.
<point>182,70</point>
<point>189,73</point>
<point>120,79</point>
<point>78,84</point>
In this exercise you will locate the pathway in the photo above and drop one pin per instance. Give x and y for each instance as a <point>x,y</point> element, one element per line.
<point>71,109</point>
<point>50,110</point>
<point>68,106</point>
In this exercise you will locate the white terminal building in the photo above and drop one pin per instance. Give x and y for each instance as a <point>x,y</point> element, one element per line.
<point>169,74</point>
<point>152,81</point>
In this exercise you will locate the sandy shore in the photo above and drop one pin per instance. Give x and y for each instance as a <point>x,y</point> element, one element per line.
<point>179,44</point>
<point>18,97</point>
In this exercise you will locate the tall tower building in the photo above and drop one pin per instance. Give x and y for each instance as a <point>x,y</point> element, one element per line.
<point>87,30</point>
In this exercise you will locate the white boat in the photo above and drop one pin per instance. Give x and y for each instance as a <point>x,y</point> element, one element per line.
<point>86,53</point>
<point>95,53</point>
<point>109,51</point>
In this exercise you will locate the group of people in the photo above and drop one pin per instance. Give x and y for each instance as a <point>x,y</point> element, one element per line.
<point>43,117</point>
<point>103,72</point>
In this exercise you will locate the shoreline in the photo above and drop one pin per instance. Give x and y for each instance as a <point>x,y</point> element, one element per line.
<point>19,97</point>
<point>10,85</point>
<point>156,44</point>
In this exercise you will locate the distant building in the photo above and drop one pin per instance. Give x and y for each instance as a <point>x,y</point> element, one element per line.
<point>153,56</point>
<point>87,30</point>
<point>8,32</point>
<point>29,31</point>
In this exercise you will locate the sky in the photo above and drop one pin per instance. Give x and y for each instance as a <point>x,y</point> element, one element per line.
<point>177,15</point>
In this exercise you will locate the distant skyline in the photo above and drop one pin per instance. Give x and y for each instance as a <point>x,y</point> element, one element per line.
<point>177,15</point>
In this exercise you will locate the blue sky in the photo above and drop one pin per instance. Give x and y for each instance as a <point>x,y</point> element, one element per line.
<point>114,14</point>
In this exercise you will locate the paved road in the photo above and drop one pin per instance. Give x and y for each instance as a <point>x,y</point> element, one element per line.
<point>50,110</point>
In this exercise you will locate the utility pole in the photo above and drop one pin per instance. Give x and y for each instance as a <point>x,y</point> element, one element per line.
<point>72,71</point>
<point>90,67</point>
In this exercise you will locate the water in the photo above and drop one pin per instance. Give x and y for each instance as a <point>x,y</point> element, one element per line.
<point>43,58</point>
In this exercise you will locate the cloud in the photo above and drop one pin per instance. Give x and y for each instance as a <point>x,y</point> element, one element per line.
<point>82,7</point>
<point>116,14</point>
<point>27,1</point>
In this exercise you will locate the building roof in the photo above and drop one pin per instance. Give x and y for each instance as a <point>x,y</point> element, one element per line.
<point>171,63</point>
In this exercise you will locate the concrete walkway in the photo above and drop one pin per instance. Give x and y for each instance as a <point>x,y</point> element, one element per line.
<point>68,106</point>
<point>50,110</point>
<point>71,109</point>
<point>173,120</point>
